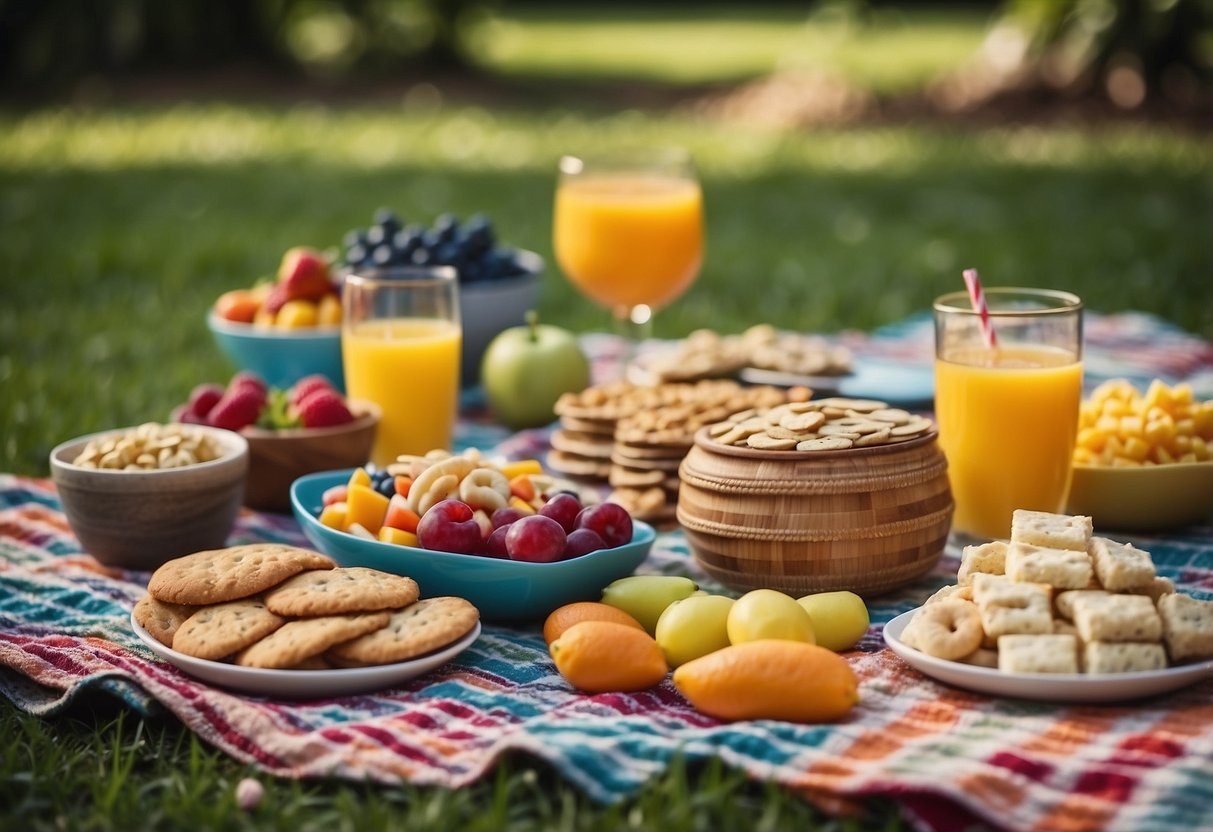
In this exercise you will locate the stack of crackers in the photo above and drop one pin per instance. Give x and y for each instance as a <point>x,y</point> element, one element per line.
<point>635,437</point>
<point>1058,599</point>
<point>275,606</point>
<point>833,424</point>
<point>707,354</point>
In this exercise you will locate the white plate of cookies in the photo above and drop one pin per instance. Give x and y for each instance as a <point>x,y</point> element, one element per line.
<point>286,622</point>
<point>1058,614</point>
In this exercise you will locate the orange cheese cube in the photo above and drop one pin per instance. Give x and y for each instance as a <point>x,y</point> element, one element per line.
<point>400,537</point>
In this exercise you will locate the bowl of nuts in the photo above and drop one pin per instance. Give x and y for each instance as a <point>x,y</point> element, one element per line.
<point>136,497</point>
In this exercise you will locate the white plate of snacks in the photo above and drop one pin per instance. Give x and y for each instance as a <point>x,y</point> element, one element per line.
<point>1048,687</point>
<point>306,684</point>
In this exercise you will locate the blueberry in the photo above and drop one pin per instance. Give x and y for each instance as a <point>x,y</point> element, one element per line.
<point>406,242</point>
<point>383,255</point>
<point>387,218</point>
<point>422,256</point>
<point>356,255</point>
<point>378,476</point>
<point>432,238</point>
<point>377,235</point>
<point>355,237</point>
<point>446,227</point>
<point>387,488</point>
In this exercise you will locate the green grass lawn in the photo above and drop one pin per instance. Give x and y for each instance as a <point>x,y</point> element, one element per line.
<point>119,227</point>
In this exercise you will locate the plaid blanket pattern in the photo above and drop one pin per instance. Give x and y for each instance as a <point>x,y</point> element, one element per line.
<point>946,755</point>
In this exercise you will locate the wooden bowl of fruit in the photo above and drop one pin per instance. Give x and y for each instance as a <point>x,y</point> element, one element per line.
<point>291,432</point>
<point>285,329</point>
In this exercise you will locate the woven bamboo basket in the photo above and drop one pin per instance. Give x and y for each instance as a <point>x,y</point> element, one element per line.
<point>865,519</point>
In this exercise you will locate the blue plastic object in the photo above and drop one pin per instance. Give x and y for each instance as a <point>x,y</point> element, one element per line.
<point>503,590</point>
<point>281,357</point>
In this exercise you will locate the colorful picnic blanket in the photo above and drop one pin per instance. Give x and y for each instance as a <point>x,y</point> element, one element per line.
<point>945,754</point>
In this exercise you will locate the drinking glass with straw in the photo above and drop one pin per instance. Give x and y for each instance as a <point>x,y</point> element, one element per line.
<point>1008,384</point>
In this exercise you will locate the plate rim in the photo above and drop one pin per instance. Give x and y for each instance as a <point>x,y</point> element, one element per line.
<point>1169,679</point>
<point>400,671</point>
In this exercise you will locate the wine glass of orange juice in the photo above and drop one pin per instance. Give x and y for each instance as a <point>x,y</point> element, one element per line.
<point>400,348</point>
<point>1007,413</point>
<point>628,231</point>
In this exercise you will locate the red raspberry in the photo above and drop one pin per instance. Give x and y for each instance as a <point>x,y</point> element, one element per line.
<point>323,409</point>
<point>203,398</point>
<point>238,409</point>
<point>304,387</point>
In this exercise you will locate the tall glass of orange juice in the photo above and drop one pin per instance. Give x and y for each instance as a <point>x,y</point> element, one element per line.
<point>1008,414</point>
<point>400,347</point>
<point>628,230</point>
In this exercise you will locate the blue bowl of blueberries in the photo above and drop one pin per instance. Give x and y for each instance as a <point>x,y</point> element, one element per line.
<point>498,284</point>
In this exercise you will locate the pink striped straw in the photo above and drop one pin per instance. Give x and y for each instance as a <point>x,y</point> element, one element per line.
<point>978,298</point>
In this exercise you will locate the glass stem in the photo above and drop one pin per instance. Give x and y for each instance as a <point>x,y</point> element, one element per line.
<point>634,324</point>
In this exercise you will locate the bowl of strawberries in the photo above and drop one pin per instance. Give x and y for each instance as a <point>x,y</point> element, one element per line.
<point>291,431</point>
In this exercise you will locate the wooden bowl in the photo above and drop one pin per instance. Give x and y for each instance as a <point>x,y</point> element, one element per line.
<point>867,520</point>
<point>140,519</point>
<point>279,457</point>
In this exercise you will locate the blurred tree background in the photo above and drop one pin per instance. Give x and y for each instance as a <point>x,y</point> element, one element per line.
<point>1128,52</point>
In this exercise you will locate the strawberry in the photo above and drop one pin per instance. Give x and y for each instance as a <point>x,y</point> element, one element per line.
<point>203,398</point>
<point>248,380</point>
<point>237,409</point>
<point>323,409</point>
<point>182,415</point>
<point>276,299</point>
<point>304,274</point>
<point>308,385</point>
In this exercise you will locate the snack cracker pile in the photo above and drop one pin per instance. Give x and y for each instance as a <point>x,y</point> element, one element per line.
<point>1057,599</point>
<point>274,606</point>
<point>635,436</point>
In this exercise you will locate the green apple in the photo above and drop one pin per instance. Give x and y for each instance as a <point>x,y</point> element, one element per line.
<point>839,618</point>
<point>527,368</point>
<point>693,627</point>
<point>645,597</point>
<point>768,613</point>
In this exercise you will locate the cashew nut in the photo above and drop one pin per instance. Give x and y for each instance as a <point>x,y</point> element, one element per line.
<point>485,488</point>
<point>431,485</point>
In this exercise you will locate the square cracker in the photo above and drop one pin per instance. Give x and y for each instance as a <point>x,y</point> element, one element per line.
<point>1122,657</point>
<point>1061,568</point>
<point>1187,626</point>
<point>1117,618</point>
<point>1065,600</point>
<point>987,559</point>
<point>1053,531</point>
<point>1120,566</point>
<point>1155,589</point>
<point>1037,654</point>
<point>1014,608</point>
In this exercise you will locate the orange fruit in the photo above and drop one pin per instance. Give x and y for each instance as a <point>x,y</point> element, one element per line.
<point>770,679</point>
<point>603,656</point>
<point>564,617</point>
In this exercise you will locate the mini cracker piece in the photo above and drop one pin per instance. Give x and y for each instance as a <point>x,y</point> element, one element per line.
<point>1060,568</point>
<point>1116,618</point>
<point>1052,531</point>
<point>295,642</point>
<point>161,619</point>
<point>219,575</point>
<point>341,590</point>
<point>988,559</point>
<point>1120,566</point>
<point>1038,654</point>
<point>1065,600</point>
<point>950,593</point>
<point>1007,607</point>
<point>1155,589</point>
<point>1187,626</point>
<point>223,629</point>
<point>413,631</point>
<point>1124,657</point>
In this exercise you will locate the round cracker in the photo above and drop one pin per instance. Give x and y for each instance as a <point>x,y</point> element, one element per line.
<point>341,590</point>
<point>417,629</point>
<point>218,575</point>
<point>297,641</point>
<point>223,629</point>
